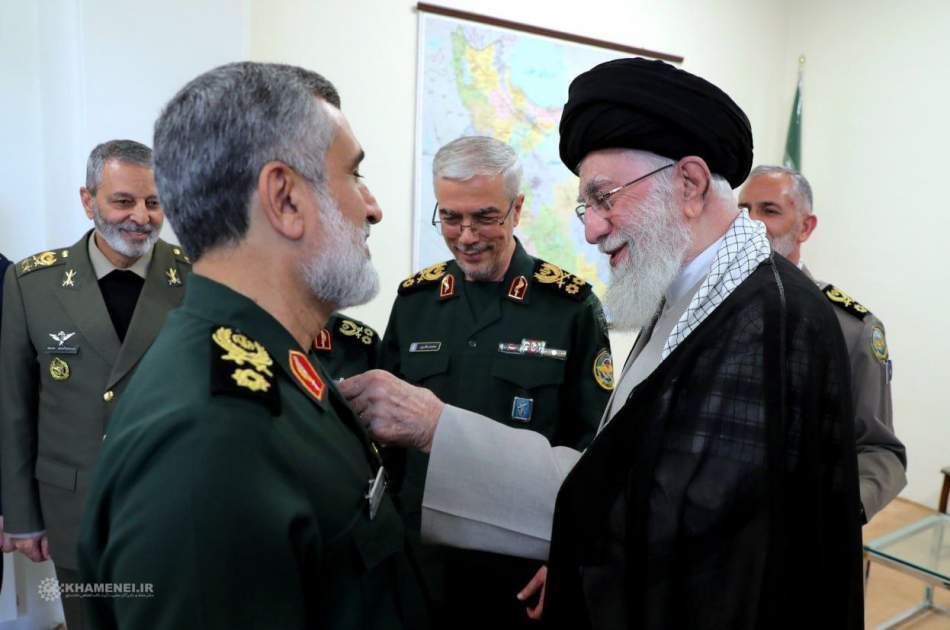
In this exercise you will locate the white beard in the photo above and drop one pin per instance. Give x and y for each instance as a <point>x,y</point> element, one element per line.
<point>112,233</point>
<point>657,239</point>
<point>341,274</point>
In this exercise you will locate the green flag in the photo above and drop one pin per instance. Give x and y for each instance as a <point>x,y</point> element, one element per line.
<point>793,141</point>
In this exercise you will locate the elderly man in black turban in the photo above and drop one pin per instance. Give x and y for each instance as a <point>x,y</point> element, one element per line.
<point>721,489</point>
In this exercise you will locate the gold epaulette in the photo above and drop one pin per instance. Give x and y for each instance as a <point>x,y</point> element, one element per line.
<point>429,275</point>
<point>49,258</point>
<point>241,367</point>
<point>357,331</point>
<point>567,284</point>
<point>844,301</point>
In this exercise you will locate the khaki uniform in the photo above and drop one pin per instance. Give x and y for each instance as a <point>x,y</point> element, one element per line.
<point>346,347</point>
<point>530,352</point>
<point>62,371</point>
<point>882,458</point>
<point>234,480</point>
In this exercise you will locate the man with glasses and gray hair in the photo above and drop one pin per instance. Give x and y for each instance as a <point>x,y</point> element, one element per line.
<point>721,489</point>
<point>501,333</point>
<point>76,322</point>
<point>781,198</point>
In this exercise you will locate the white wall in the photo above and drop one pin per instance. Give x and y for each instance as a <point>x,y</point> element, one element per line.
<point>874,148</point>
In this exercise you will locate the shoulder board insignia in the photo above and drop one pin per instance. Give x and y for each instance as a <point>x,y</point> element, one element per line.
<point>844,301</point>
<point>429,275</point>
<point>241,367</point>
<point>40,261</point>
<point>180,255</point>
<point>567,284</point>
<point>357,331</point>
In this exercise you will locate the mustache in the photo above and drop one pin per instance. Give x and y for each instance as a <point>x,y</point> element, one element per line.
<point>131,226</point>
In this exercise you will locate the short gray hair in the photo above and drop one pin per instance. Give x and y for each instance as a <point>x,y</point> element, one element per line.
<point>125,151</point>
<point>470,156</point>
<point>215,135</point>
<point>801,189</point>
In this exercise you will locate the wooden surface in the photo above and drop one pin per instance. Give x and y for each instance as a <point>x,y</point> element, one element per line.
<point>889,591</point>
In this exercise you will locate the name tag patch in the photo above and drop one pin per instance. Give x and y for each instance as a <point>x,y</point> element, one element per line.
<point>425,346</point>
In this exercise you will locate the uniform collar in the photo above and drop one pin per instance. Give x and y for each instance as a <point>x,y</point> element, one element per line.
<point>103,266</point>
<point>520,266</point>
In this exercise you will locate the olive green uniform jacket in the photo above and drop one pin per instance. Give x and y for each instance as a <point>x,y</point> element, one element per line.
<point>233,480</point>
<point>882,458</point>
<point>480,363</point>
<point>62,371</point>
<point>346,347</point>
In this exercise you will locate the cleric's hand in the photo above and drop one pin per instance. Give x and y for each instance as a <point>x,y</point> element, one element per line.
<point>539,581</point>
<point>393,411</point>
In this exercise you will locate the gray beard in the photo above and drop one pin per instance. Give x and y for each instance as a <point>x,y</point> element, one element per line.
<point>657,240</point>
<point>341,275</point>
<point>112,233</point>
<point>783,245</point>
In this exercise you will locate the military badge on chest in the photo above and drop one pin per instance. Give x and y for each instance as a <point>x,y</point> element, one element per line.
<point>521,408</point>
<point>61,346</point>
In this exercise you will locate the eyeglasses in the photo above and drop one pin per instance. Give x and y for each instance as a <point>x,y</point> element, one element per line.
<point>451,222</point>
<point>600,203</point>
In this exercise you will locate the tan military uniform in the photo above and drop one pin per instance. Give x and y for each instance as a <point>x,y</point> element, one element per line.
<point>62,369</point>
<point>882,458</point>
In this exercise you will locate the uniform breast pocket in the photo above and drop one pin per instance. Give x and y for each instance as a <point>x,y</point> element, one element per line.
<point>529,372</point>
<point>419,366</point>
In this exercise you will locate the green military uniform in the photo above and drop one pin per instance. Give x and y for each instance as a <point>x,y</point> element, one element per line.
<point>234,480</point>
<point>530,352</point>
<point>346,347</point>
<point>882,458</point>
<point>63,371</point>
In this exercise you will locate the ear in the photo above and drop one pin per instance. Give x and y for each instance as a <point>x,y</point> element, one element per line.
<point>86,198</point>
<point>809,223</point>
<point>279,189</point>
<point>516,210</point>
<point>695,179</point>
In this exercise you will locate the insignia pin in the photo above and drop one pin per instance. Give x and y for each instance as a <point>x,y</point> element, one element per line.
<point>521,409</point>
<point>69,278</point>
<point>173,279</point>
<point>447,288</point>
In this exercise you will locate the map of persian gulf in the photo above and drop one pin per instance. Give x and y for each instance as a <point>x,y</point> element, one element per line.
<point>481,80</point>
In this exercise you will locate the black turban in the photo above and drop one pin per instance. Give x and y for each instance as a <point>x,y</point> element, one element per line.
<point>653,106</point>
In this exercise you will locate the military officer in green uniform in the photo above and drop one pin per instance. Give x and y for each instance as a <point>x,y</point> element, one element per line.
<point>346,346</point>
<point>498,332</point>
<point>76,322</point>
<point>235,482</point>
<point>782,199</point>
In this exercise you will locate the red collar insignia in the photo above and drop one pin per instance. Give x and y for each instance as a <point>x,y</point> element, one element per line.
<point>324,341</point>
<point>447,288</point>
<point>518,288</point>
<point>306,374</point>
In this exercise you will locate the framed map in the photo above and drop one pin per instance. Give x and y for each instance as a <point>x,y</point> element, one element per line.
<point>481,79</point>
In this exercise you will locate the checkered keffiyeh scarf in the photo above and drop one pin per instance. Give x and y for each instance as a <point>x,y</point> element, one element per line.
<point>744,247</point>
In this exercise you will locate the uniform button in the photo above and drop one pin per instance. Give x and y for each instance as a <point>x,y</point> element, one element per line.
<point>472,343</point>
<point>108,396</point>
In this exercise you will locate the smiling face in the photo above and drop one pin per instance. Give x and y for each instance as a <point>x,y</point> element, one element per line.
<point>644,233</point>
<point>125,210</point>
<point>470,212</point>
